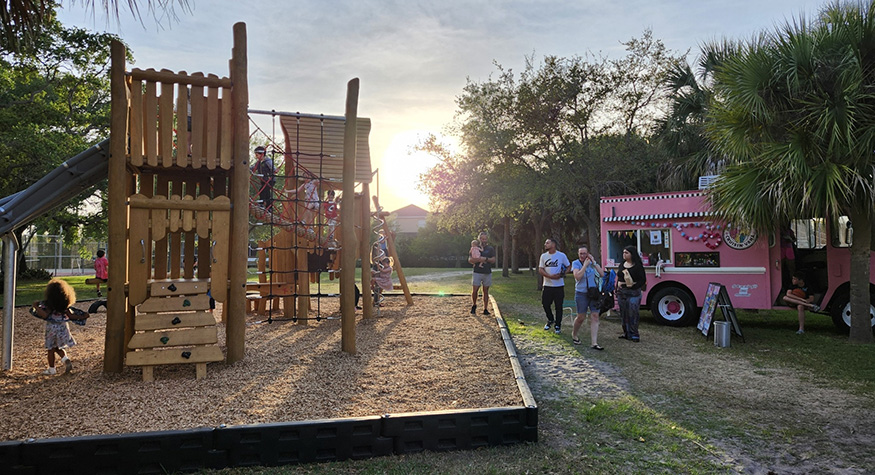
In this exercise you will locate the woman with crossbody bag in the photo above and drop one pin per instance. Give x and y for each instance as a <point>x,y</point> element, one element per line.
<point>586,295</point>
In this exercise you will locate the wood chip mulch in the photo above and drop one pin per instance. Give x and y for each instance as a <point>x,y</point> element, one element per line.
<point>427,357</point>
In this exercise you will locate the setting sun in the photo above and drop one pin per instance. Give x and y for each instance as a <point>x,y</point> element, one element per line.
<point>400,169</point>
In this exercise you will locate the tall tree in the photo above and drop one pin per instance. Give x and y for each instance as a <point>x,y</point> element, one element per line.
<point>795,115</point>
<point>54,103</point>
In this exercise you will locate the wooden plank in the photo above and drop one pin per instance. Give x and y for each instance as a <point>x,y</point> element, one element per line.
<point>212,132</point>
<point>163,321</point>
<point>187,213</point>
<point>165,124</point>
<point>159,219</point>
<point>164,288</point>
<point>182,303</point>
<point>227,130</point>
<point>168,338</point>
<point>160,272</point>
<point>181,77</point>
<point>197,124</point>
<point>150,124</point>
<point>139,264</point>
<point>182,118</point>
<point>175,205</point>
<point>163,203</point>
<point>136,124</point>
<point>203,218</point>
<point>196,354</point>
<point>219,258</point>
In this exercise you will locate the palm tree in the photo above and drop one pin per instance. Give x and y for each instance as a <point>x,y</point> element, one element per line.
<point>21,21</point>
<point>681,133</point>
<point>794,114</point>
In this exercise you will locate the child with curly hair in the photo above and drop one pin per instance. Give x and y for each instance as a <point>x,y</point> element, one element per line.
<point>57,310</point>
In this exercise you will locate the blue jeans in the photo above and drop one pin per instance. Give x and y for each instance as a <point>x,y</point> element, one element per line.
<point>630,303</point>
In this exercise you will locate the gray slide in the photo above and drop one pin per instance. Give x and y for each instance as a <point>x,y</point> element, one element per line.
<point>61,184</point>
<point>53,190</point>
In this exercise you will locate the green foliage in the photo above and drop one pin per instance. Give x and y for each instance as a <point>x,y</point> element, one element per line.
<point>793,116</point>
<point>541,147</point>
<point>433,247</point>
<point>54,103</point>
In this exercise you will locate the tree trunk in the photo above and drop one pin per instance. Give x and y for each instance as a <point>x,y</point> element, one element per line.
<point>514,259</point>
<point>861,326</point>
<point>539,239</point>
<point>506,250</point>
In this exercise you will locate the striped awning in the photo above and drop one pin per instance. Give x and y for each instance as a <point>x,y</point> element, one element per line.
<point>645,217</point>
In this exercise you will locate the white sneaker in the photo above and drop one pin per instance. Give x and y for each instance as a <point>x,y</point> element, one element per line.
<point>50,371</point>
<point>68,364</point>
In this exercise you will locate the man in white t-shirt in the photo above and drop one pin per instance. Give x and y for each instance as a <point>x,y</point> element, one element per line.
<point>552,266</point>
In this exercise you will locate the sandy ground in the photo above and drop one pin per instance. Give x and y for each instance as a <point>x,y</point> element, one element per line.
<point>431,356</point>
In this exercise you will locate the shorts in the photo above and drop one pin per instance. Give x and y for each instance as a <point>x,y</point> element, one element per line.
<point>481,279</point>
<point>583,302</point>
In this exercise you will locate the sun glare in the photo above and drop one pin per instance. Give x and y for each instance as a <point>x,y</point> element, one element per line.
<point>400,170</point>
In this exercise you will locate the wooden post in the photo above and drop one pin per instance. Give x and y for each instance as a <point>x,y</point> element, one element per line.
<point>116,307</point>
<point>236,301</point>
<point>390,244</point>
<point>302,275</point>
<point>347,259</point>
<point>365,249</point>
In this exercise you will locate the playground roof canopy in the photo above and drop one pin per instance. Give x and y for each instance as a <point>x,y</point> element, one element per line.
<point>316,142</point>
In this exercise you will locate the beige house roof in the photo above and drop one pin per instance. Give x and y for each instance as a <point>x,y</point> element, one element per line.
<point>317,144</point>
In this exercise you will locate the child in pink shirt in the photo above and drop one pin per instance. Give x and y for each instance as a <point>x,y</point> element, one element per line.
<point>101,269</point>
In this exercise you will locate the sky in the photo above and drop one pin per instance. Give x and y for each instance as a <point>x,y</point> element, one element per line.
<point>412,58</point>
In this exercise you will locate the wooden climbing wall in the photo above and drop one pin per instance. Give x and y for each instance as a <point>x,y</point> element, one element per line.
<point>181,132</point>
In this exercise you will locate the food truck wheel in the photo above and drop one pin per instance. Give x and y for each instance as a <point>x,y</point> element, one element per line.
<point>841,311</point>
<point>673,307</point>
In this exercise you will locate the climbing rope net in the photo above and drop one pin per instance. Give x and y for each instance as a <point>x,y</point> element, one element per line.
<point>292,208</point>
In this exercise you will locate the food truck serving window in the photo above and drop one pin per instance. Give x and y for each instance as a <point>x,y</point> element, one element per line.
<point>810,233</point>
<point>653,244</point>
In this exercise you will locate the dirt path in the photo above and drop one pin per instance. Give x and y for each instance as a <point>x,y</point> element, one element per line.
<point>764,420</point>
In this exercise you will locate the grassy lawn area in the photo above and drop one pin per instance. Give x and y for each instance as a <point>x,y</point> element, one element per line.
<point>661,425</point>
<point>654,429</point>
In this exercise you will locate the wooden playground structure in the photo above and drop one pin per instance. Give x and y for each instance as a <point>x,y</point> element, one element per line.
<point>180,208</point>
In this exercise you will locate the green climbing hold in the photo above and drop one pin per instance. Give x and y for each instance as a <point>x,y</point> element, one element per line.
<point>186,303</point>
<point>164,339</point>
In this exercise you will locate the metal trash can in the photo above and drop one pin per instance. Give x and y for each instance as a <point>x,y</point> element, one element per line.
<point>721,334</point>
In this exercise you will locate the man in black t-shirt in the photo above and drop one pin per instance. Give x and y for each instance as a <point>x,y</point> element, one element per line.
<point>482,273</point>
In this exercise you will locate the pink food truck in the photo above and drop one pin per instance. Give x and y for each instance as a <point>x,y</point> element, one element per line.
<point>684,248</point>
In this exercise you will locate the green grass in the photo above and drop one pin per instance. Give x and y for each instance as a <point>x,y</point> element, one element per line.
<point>651,430</point>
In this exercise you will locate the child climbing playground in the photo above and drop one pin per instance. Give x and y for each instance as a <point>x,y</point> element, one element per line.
<point>382,279</point>
<point>57,310</point>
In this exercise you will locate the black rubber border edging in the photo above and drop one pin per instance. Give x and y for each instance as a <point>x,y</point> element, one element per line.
<point>283,443</point>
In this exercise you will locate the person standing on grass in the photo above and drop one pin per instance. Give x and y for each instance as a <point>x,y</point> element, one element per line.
<point>482,273</point>
<point>552,266</point>
<point>586,272</point>
<point>101,269</point>
<point>630,281</point>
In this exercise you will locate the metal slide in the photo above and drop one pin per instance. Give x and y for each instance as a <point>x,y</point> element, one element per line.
<point>20,209</point>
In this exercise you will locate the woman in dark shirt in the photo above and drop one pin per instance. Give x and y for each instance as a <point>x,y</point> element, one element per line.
<point>630,280</point>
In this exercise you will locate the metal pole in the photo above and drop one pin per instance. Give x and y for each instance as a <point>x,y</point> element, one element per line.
<point>10,260</point>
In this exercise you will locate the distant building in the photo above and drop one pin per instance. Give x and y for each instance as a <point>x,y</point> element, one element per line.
<point>409,219</point>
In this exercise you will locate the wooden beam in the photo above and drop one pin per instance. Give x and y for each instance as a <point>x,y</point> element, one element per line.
<point>113,356</point>
<point>236,301</point>
<point>347,216</point>
<point>365,251</point>
<point>179,78</point>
